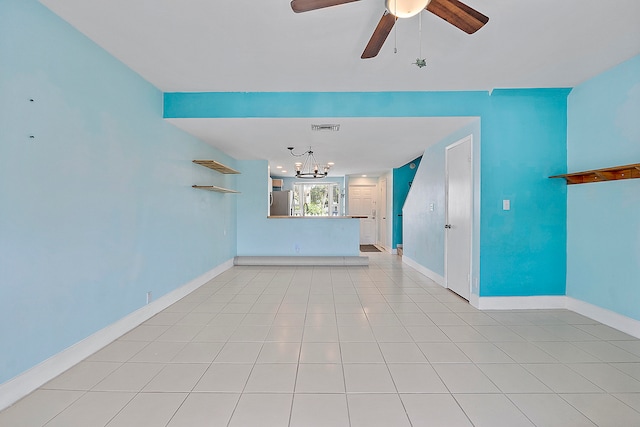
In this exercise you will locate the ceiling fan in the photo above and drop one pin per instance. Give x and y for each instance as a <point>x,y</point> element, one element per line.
<point>453,11</point>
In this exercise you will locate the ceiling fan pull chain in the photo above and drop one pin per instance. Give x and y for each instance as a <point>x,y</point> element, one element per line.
<point>395,40</point>
<point>420,61</point>
<point>420,32</point>
<point>395,29</point>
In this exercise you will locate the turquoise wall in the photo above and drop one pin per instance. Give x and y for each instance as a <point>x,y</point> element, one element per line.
<point>523,251</point>
<point>323,104</point>
<point>402,181</point>
<point>520,252</point>
<point>97,209</point>
<point>603,219</point>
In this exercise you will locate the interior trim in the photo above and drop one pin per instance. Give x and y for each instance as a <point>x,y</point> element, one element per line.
<point>606,317</point>
<point>301,260</point>
<point>618,321</point>
<point>535,302</point>
<point>424,270</point>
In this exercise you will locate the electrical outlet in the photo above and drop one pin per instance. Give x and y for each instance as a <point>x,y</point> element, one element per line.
<point>149,297</point>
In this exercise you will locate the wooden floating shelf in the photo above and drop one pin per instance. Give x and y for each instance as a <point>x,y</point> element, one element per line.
<point>216,166</point>
<point>214,188</point>
<point>597,175</point>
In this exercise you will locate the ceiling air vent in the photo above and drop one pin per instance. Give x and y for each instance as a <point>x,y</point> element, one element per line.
<point>326,127</point>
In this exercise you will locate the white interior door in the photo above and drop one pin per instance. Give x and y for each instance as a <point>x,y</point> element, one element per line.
<point>382,214</point>
<point>362,203</point>
<point>458,228</point>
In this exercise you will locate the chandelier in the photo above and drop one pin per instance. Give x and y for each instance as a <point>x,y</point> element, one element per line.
<point>310,168</point>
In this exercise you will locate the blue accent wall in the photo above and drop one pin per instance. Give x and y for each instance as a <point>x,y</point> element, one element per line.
<point>603,219</point>
<point>323,104</point>
<point>522,251</point>
<point>402,181</point>
<point>97,209</point>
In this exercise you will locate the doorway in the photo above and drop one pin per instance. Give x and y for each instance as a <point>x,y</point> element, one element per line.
<point>362,203</point>
<point>459,216</point>
<point>382,214</point>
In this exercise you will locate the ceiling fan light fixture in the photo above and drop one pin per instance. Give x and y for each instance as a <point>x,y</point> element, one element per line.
<point>454,12</point>
<point>406,8</point>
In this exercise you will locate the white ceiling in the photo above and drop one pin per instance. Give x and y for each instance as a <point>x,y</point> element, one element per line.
<point>249,45</point>
<point>355,148</point>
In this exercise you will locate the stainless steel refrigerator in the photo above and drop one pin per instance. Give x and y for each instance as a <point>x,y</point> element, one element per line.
<point>282,202</point>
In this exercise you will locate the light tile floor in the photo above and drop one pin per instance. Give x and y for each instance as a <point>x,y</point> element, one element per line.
<point>350,346</point>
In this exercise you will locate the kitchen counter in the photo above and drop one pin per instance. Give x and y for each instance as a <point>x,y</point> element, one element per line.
<point>317,217</point>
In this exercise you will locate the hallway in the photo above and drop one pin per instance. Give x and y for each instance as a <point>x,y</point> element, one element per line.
<point>346,346</point>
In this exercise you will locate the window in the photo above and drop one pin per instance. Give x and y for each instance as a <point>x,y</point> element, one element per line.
<point>315,199</point>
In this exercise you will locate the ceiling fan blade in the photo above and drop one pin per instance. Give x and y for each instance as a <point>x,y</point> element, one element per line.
<point>379,35</point>
<point>307,5</point>
<point>458,14</point>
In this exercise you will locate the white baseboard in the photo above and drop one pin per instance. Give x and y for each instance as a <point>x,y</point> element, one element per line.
<point>424,270</point>
<point>293,261</point>
<point>522,303</point>
<point>474,300</point>
<point>384,248</point>
<point>18,387</point>
<point>618,321</point>
<point>606,317</point>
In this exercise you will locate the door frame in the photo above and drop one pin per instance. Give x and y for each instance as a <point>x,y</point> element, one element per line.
<point>381,205</point>
<point>374,208</point>
<point>469,139</point>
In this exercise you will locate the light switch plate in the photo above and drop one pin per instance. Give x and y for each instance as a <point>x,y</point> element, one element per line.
<point>506,205</point>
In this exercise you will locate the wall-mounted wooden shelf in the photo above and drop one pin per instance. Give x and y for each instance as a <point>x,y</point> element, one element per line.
<point>216,166</point>
<point>597,175</point>
<point>214,188</point>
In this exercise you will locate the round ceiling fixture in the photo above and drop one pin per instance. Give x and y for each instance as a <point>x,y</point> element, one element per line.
<point>406,8</point>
